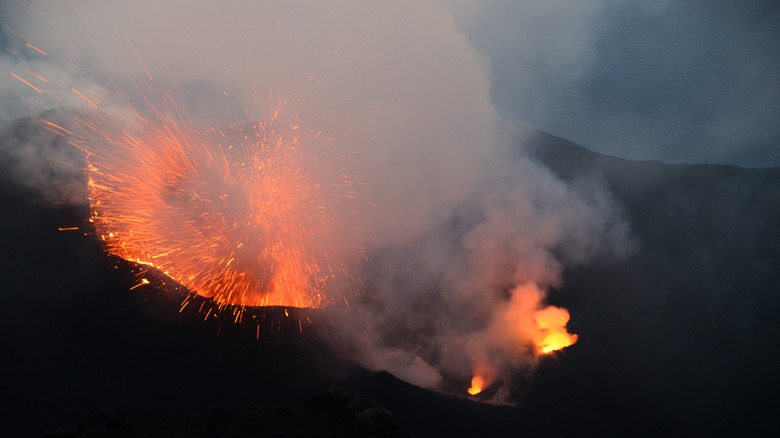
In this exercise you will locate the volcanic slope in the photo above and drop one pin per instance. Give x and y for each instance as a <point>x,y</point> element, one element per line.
<point>678,338</point>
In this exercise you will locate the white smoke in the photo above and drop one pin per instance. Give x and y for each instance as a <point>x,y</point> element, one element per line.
<point>469,233</point>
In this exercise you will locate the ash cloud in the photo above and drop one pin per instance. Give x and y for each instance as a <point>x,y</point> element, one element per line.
<point>465,234</point>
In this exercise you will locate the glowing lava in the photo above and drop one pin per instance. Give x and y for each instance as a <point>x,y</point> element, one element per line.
<point>477,385</point>
<point>552,334</point>
<point>543,331</point>
<point>243,216</point>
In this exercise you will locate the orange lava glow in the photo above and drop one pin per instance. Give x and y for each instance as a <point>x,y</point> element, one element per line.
<point>477,385</point>
<point>242,216</point>
<point>552,334</point>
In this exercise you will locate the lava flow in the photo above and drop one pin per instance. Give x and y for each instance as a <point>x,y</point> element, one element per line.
<point>243,216</point>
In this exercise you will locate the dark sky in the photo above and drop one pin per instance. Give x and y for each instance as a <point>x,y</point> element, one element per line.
<point>676,81</point>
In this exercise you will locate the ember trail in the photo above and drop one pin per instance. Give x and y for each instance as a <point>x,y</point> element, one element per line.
<point>242,215</point>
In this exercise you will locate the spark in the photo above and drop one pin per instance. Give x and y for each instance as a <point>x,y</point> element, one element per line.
<point>35,48</point>
<point>54,125</point>
<point>244,215</point>
<point>31,85</point>
<point>142,283</point>
<point>78,12</point>
<point>89,102</point>
<point>235,215</point>
<point>151,79</point>
<point>35,75</point>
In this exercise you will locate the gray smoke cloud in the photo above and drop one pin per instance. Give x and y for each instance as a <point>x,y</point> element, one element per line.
<point>41,161</point>
<point>465,233</point>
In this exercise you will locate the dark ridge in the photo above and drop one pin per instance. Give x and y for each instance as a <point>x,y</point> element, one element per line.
<point>334,412</point>
<point>432,414</point>
<point>680,336</point>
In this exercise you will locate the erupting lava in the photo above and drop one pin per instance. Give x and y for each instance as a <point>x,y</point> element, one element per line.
<point>477,385</point>
<point>552,334</point>
<point>244,216</point>
<point>544,329</point>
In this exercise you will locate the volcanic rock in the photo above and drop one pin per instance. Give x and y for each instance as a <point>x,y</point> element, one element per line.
<point>336,412</point>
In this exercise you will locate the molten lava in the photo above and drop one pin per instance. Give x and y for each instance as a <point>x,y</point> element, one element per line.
<point>543,330</point>
<point>243,216</point>
<point>552,334</point>
<point>477,385</point>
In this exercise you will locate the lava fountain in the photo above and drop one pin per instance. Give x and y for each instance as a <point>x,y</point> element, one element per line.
<point>245,216</point>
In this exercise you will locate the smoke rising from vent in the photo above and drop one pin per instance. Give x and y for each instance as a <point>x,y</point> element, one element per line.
<point>465,234</point>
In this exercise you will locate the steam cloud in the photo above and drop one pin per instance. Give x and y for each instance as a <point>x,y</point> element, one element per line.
<point>469,234</point>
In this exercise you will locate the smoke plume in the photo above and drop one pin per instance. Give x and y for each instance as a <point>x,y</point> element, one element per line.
<point>465,234</point>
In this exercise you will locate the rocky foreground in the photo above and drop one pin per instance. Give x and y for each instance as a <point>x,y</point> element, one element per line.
<point>336,412</point>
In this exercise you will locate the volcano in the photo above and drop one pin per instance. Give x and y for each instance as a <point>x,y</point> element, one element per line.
<point>679,338</point>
